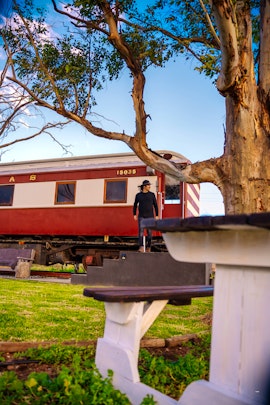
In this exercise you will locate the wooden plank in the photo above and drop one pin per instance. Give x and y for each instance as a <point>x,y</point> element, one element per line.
<point>12,347</point>
<point>137,294</point>
<point>156,342</point>
<point>206,223</point>
<point>260,220</point>
<point>178,340</point>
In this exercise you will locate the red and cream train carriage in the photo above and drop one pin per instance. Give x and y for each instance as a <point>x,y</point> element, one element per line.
<point>86,199</point>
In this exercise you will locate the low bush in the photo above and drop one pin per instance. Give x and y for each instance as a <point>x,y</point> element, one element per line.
<point>75,379</point>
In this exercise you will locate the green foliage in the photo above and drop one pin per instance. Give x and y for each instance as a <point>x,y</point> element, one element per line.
<point>69,68</point>
<point>11,388</point>
<point>58,354</point>
<point>78,381</point>
<point>74,385</point>
<point>58,268</point>
<point>61,69</point>
<point>172,377</point>
<point>148,400</point>
<point>185,30</point>
<point>66,69</point>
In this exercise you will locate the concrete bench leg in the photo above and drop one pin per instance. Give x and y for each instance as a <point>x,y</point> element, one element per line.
<point>118,350</point>
<point>240,348</point>
<point>205,393</point>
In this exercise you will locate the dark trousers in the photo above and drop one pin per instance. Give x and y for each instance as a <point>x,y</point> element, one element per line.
<point>141,233</point>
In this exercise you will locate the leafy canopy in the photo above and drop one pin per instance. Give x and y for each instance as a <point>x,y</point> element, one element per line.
<point>67,67</point>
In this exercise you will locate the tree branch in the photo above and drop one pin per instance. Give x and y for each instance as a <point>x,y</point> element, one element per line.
<point>44,129</point>
<point>185,42</point>
<point>40,61</point>
<point>209,22</point>
<point>136,70</point>
<point>31,93</point>
<point>82,22</point>
<point>8,120</point>
<point>9,62</point>
<point>227,27</point>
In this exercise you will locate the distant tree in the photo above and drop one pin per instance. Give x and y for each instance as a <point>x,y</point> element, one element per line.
<point>17,108</point>
<point>229,39</point>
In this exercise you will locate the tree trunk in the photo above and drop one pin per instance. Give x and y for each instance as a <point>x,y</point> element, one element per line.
<point>245,188</point>
<point>244,170</point>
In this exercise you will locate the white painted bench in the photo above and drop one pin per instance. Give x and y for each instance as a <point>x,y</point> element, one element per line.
<point>130,311</point>
<point>240,349</point>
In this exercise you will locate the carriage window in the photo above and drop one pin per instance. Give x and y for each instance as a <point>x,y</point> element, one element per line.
<point>65,193</point>
<point>115,191</point>
<point>6,194</point>
<point>172,194</point>
<point>172,191</point>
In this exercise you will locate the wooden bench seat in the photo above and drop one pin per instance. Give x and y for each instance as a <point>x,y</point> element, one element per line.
<point>148,293</point>
<point>17,260</point>
<point>130,311</point>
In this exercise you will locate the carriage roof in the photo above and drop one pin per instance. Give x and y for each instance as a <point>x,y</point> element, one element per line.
<point>83,162</point>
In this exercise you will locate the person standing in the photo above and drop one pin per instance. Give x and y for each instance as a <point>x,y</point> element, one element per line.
<point>146,204</point>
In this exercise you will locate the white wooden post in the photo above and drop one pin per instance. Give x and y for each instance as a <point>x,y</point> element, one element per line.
<point>118,350</point>
<point>240,351</point>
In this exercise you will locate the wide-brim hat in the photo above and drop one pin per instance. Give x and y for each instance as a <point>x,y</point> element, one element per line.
<point>145,183</point>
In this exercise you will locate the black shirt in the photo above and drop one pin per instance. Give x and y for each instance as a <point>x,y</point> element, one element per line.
<point>146,201</point>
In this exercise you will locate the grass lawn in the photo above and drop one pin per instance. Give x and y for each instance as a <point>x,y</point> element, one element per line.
<point>33,311</point>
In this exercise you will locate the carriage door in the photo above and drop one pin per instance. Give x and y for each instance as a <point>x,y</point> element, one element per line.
<point>173,196</point>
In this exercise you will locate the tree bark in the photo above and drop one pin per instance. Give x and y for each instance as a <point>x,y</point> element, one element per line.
<point>245,188</point>
<point>244,170</point>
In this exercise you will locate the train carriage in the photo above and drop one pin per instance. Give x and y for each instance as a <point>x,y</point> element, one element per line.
<point>74,204</point>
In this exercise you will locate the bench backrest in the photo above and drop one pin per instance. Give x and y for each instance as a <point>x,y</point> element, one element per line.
<point>11,253</point>
<point>10,256</point>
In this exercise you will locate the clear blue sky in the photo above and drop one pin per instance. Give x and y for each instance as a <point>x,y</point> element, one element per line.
<point>187,116</point>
